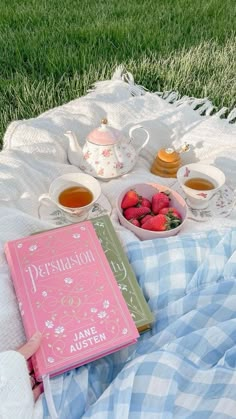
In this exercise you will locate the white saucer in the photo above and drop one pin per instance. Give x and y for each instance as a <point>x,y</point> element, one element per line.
<point>220,205</point>
<point>51,213</point>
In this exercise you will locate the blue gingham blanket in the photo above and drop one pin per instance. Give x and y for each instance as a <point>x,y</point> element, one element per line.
<point>185,367</point>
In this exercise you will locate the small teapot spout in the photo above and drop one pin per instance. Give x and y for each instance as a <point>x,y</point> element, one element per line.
<point>74,150</point>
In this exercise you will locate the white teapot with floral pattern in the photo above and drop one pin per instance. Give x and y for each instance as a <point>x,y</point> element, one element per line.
<point>107,153</point>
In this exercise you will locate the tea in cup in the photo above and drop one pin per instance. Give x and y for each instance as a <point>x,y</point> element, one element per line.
<point>75,197</point>
<point>200,182</point>
<point>74,193</point>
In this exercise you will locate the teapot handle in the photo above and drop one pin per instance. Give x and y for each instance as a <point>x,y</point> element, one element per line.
<point>132,129</point>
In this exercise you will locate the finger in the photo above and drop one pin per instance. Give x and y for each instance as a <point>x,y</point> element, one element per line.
<point>30,365</point>
<point>31,346</point>
<point>37,391</point>
<point>32,381</point>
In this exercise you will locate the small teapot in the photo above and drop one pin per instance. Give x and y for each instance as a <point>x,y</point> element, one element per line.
<point>106,153</point>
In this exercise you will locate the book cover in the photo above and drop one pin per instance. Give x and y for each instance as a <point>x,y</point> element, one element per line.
<point>123,273</point>
<point>66,289</point>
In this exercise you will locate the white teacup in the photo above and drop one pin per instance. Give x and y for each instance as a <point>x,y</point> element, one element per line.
<point>200,182</point>
<point>71,185</point>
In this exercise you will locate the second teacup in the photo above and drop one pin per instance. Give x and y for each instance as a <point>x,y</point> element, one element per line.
<point>74,193</point>
<point>200,182</point>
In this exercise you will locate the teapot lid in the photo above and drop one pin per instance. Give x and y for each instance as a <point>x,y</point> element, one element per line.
<point>104,135</point>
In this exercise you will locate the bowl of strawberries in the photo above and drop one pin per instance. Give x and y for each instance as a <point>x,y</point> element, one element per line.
<point>151,210</point>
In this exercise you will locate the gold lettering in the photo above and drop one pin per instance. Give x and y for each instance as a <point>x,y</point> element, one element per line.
<point>69,300</point>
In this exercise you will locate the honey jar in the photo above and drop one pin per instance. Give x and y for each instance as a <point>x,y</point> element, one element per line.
<point>168,161</point>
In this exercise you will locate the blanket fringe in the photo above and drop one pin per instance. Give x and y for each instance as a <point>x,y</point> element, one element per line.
<point>203,106</point>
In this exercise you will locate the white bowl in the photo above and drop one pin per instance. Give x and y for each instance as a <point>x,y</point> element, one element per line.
<point>147,190</point>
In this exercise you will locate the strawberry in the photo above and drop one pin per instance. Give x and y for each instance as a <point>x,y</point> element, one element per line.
<point>135,212</point>
<point>158,222</point>
<point>144,202</point>
<point>130,199</point>
<point>145,218</point>
<point>171,212</point>
<point>159,200</point>
<point>135,222</point>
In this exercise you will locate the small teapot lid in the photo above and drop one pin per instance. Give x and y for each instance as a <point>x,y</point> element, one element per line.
<point>104,135</point>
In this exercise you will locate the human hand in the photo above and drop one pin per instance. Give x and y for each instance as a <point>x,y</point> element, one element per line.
<point>27,350</point>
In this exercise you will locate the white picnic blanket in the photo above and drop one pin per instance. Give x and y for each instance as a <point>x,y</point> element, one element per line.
<point>36,151</point>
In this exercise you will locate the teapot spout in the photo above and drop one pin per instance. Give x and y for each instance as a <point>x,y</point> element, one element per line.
<point>74,150</point>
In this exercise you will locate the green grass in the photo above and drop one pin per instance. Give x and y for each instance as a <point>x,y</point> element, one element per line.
<point>51,51</point>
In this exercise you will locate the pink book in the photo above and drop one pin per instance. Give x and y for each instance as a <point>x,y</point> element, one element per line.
<point>66,290</point>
